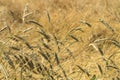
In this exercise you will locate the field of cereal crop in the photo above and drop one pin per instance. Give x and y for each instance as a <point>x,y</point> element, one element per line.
<point>59,40</point>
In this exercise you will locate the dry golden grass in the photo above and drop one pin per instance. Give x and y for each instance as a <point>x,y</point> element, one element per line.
<point>59,40</point>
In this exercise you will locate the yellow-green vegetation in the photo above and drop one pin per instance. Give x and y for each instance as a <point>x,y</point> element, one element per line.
<point>59,40</point>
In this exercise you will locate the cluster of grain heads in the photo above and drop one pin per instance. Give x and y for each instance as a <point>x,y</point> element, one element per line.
<point>25,62</point>
<point>45,49</point>
<point>99,41</point>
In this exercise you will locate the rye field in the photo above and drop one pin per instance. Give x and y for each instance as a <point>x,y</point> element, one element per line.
<point>59,39</point>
